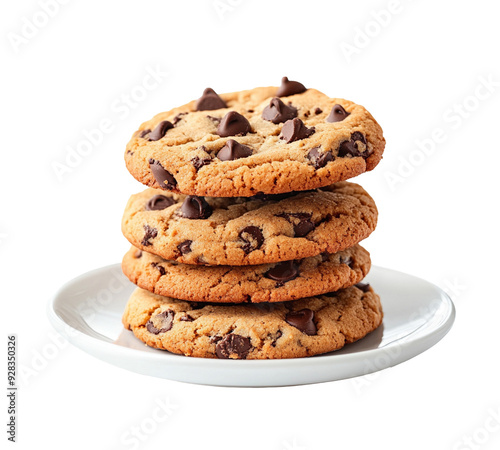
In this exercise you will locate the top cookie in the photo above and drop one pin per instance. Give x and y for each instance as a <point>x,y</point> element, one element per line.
<point>265,140</point>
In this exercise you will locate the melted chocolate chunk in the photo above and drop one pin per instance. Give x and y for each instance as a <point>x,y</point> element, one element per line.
<point>295,130</point>
<point>138,254</point>
<point>319,159</point>
<point>195,208</point>
<point>186,318</point>
<point>346,260</point>
<point>365,287</point>
<point>233,124</point>
<point>303,320</point>
<point>161,323</point>
<point>273,197</point>
<point>350,148</point>
<point>144,133</point>
<point>279,333</point>
<point>358,136</point>
<point>209,101</point>
<point>198,162</point>
<point>160,130</point>
<point>184,247</point>
<point>163,177</point>
<point>278,112</point>
<point>159,202</point>
<point>290,88</point>
<point>149,233</point>
<point>233,345</point>
<point>283,272</point>
<point>252,237</point>
<point>303,226</point>
<point>159,267</point>
<point>318,111</point>
<point>233,150</point>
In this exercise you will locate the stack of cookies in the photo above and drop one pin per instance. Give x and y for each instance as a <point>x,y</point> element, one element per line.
<point>246,243</point>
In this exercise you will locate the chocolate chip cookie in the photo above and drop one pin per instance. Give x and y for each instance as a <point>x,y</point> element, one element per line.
<point>265,140</point>
<point>241,231</point>
<point>305,327</point>
<point>288,280</point>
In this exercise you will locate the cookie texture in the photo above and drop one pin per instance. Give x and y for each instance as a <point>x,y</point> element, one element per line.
<point>242,231</point>
<point>265,140</point>
<point>289,280</point>
<point>296,329</point>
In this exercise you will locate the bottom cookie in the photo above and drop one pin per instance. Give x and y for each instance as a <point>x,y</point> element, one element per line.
<point>294,329</point>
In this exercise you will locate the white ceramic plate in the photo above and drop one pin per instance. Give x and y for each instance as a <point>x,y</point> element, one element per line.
<point>88,309</point>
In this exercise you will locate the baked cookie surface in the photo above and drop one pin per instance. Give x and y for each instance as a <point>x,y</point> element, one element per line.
<point>289,280</point>
<point>296,329</point>
<point>265,140</point>
<point>242,231</point>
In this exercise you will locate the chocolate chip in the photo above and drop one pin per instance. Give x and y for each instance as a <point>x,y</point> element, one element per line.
<point>186,318</point>
<point>144,133</point>
<point>337,114</point>
<point>318,111</point>
<point>358,136</point>
<point>159,202</point>
<point>278,335</point>
<point>215,339</point>
<point>346,260</point>
<point>283,272</point>
<point>303,320</point>
<point>195,208</point>
<point>294,130</point>
<point>233,345</point>
<point>319,159</point>
<point>290,88</point>
<point>278,112</point>
<point>198,162</point>
<point>161,323</point>
<point>252,237</point>
<point>209,101</point>
<point>233,150</point>
<point>274,197</point>
<point>137,254</point>
<point>159,267</point>
<point>351,147</point>
<point>160,130</point>
<point>163,177</point>
<point>185,247</point>
<point>178,118</point>
<point>233,124</point>
<point>149,233</point>
<point>303,226</point>
<point>365,287</point>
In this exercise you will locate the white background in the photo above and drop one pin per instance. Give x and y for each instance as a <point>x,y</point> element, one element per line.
<point>438,220</point>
